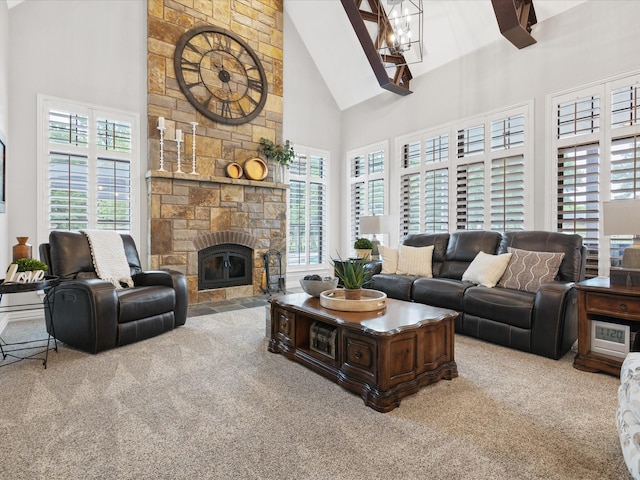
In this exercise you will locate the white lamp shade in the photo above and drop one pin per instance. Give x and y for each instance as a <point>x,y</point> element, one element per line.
<point>621,217</point>
<point>374,224</point>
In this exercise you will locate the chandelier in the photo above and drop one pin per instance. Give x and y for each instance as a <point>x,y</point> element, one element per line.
<point>400,31</point>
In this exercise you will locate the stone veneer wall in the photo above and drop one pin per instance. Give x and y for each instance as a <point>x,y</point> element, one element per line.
<point>182,206</point>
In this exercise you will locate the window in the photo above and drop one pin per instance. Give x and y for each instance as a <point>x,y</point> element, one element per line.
<point>597,144</point>
<point>308,208</point>
<point>477,183</point>
<point>87,168</point>
<point>368,195</point>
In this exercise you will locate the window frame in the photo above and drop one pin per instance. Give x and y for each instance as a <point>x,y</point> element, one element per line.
<point>308,179</point>
<point>45,103</point>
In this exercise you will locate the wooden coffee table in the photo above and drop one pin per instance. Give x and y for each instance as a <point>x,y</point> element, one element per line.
<point>383,355</point>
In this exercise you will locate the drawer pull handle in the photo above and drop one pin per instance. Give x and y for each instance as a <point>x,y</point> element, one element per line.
<point>623,306</point>
<point>358,355</point>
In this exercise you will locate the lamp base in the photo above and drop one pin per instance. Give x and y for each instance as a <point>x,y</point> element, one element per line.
<point>375,252</point>
<point>631,257</point>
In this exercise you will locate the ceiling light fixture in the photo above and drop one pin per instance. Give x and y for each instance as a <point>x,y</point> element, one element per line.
<point>400,32</point>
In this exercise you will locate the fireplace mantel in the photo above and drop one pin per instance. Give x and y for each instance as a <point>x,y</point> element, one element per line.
<point>212,179</point>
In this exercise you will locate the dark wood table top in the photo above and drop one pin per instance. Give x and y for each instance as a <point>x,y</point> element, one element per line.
<point>397,316</point>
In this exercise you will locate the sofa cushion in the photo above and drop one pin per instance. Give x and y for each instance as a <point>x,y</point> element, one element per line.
<point>512,307</point>
<point>142,302</point>
<point>463,247</point>
<point>395,286</point>
<point>415,261</point>
<point>440,292</point>
<point>528,270</point>
<point>439,242</point>
<point>486,269</point>
<point>389,259</point>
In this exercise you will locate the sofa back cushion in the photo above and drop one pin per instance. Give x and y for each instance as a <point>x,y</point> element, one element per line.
<point>463,247</point>
<point>573,264</point>
<point>439,242</point>
<point>70,255</point>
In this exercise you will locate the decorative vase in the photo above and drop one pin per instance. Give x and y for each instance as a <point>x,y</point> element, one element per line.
<point>364,253</point>
<point>22,249</point>
<point>352,293</point>
<point>278,173</point>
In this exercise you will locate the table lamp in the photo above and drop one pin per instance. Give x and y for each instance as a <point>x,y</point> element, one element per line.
<point>372,225</point>
<point>622,217</point>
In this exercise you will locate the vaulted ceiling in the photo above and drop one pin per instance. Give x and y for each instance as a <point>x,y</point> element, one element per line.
<point>452,28</point>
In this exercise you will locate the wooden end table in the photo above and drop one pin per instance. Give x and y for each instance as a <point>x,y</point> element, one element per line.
<point>599,300</point>
<point>381,355</point>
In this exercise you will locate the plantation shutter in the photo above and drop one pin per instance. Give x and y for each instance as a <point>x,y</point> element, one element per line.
<point>307,209</point>
<point>409,204</point>
<point>507,193</point>
<point>470,196</point>
<point>579,196</point>
<point>436,200</point>
<point>89,172</point>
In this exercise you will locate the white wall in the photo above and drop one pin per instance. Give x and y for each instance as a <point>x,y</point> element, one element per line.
<point>4,127</point>
<point>90,51</point>
<point>312,119</point>
<point>592,41</point>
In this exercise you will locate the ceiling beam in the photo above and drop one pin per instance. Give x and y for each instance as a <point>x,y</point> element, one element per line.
<point>400,83</point>
<point>515,18</point>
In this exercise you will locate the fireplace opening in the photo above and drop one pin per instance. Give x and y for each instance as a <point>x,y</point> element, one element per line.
<point>225,265</point>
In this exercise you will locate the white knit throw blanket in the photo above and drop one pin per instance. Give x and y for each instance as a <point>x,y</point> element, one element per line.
<point>108,255</point>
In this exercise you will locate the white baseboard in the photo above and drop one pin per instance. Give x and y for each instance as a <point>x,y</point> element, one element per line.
<point>21,316</point>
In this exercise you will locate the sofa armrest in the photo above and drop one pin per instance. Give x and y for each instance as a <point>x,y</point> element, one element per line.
<point>555,319</point>
<point>374,267</point>
<point>168,278</point>
<point>85,314</point>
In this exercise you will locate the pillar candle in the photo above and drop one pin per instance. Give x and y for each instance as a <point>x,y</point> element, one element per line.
<point>160,122</point>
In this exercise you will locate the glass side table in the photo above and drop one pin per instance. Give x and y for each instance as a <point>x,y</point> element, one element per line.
<point>10,349</point>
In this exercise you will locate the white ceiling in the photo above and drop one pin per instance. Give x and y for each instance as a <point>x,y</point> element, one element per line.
<point>452,28</point>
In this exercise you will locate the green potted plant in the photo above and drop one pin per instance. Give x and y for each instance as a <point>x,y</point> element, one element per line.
<point>354,274</point>
<point>26,270</point>
<point>363,247</point>
<point>282,155</point>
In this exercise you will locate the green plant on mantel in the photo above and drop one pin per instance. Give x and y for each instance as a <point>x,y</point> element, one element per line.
<point>282,154</point>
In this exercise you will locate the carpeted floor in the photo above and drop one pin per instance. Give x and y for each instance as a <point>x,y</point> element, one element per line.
<point>208,401</point>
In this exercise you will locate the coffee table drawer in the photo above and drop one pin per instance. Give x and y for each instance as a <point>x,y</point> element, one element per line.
<point>360,356</point>
<point>284,324</point>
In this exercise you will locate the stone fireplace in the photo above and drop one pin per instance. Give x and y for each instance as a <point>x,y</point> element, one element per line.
<point>187,211</point>
<point>216,231</point>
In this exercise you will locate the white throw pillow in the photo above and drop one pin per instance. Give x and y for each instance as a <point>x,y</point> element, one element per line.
<point>486,269</point>
<point>389,257</point>
<point>415,261</point>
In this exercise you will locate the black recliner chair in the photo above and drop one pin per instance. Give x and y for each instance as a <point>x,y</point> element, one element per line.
<point>90,314</point>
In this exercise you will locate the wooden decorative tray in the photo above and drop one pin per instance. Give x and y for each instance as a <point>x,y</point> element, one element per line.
<point>371,300</point>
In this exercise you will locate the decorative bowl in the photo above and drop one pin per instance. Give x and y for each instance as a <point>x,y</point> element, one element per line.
<point>316,287</point>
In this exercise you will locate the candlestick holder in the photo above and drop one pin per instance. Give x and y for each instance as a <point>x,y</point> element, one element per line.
<point>161,169</point>
<point>179,143</point>
<point>193,147</point>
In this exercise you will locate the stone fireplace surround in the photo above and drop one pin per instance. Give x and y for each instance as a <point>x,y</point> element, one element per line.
<point>189,213</point>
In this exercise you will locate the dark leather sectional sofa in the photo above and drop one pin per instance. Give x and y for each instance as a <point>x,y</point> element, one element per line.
<point>544,322</point>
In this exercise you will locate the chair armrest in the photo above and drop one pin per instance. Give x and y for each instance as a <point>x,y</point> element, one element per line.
<point>555,319</point>
<point>168,278</point>
<point>85,314</point>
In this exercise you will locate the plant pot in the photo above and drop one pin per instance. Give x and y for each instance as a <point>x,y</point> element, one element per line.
<point>352,293</point>
<point>364,253</point>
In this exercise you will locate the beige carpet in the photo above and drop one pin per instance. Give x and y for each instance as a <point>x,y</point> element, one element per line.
<point>209,401</point>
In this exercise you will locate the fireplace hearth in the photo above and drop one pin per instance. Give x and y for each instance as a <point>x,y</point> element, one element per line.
<point>225,265</point>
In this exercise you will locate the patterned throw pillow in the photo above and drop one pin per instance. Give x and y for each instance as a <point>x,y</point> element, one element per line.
<point>415,261</point>
<point>528,270</point>
<point>486,269</point>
